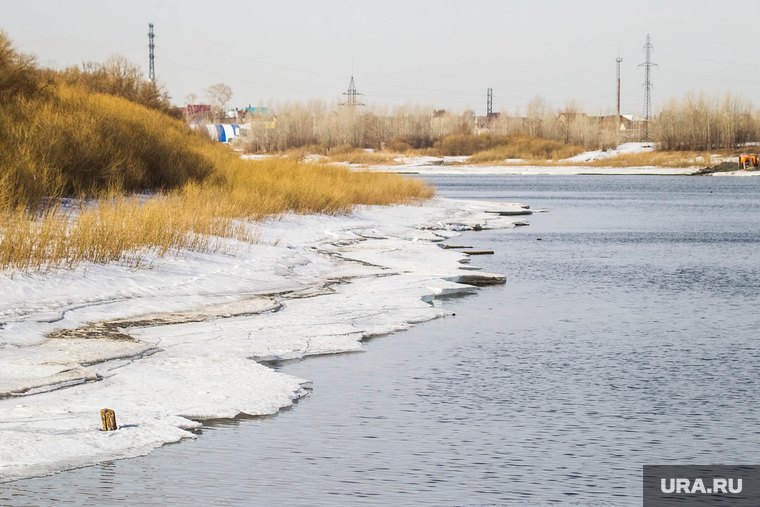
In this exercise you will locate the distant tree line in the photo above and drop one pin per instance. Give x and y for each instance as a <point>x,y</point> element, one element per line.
<point>700,122</point>
<point>694,122</point>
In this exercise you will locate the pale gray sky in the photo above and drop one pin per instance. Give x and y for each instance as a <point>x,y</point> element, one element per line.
<point>445,53</point>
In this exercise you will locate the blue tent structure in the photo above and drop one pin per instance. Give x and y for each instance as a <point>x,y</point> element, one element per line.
<point>223,133</point>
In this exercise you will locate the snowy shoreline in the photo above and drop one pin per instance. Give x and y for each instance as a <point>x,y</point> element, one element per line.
<point>527,170</point>
<point>181,342</point>
<point>440,166</point>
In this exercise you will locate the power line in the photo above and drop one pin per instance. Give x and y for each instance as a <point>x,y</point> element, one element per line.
<point>302,71</point>
<point>232,77</point>
<point>743,64</point>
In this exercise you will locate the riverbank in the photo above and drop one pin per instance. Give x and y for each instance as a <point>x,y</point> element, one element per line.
<point>559,384</point>
<point>428,166</point>
<point>634,159</point>
<point>425,167</point>
<point>181,342</point>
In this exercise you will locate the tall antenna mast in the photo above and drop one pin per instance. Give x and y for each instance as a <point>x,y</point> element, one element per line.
<point>648,48</point>
<point>617,134</point>
<point>489,104</point>
<point>152,67</point>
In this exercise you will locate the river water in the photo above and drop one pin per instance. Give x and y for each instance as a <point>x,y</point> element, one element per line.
<point>627,334</point>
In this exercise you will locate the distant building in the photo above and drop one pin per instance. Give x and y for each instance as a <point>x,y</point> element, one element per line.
<point>195,113</point>
<point>626,122</point>
<point>569,117</point>
<point>484,121</point>
<point>264,111</point>
<point>192,109</point>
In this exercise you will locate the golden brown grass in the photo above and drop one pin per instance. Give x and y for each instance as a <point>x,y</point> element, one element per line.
<point>129,228</point>
<point>657,159</point>
<point>363,157</point>
<point>484,148</point>
<point>531,149</point>
<point>75,143</point>
<point>674,159</point>
<point>120,229</point>
<point>60,140</point>
<point>344,153</point>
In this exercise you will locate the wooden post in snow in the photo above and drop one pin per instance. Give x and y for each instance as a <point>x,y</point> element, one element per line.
<point>108,417</point>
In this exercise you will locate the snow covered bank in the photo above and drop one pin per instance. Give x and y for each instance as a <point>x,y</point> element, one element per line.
<point>458,165</point>
<point>574,165</point>
<point>737,173</point>
<point>625,148</point>
<point>521,169</point>
<point>178,343</point>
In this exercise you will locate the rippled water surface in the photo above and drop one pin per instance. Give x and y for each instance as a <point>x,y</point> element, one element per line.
<point>627,335</point>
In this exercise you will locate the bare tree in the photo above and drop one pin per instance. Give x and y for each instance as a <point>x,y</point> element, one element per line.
<point>537,110</point>
<point>218,95</point>
<point>190,98</point>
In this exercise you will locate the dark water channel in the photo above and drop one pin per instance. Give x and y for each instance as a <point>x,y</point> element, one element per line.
<point>627,335</point>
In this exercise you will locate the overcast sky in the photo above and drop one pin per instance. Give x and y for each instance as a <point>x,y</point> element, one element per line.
<point>444,53</point>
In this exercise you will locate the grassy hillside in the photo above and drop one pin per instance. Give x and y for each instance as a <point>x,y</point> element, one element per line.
<point>61,137</point>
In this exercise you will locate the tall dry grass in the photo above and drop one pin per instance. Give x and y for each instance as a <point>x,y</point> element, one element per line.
<point>76,143</point>
<point>481,148</point>
<point>61,140</point>
<point>238,193</point>
<point>644,159</point>
<point>123,229</point>
<point>128,229</point>
<point>655,159</point>
<point>119,77</point>
<point>486,148</point>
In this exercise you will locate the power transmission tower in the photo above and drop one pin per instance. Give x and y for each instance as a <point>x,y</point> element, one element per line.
<point>152,67</point>
<point>617,124</point>
<point>489,106</point>
<point>352,95</point>
<point>648,48</point>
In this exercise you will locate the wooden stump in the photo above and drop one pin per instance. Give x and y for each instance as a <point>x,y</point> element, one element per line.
<point>108,417</point>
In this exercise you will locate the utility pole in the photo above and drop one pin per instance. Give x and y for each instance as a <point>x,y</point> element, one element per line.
<point>648,48</point>
<point>489,104</point>
<point>617,123</point>
<point>152,67</point>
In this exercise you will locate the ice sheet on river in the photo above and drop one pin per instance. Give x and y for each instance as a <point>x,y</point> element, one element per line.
<point>180,342</point>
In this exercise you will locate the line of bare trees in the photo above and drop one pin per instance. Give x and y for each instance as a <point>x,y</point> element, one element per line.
<point>702,122</point>
<point>298,124</point>
<point>695,122</point>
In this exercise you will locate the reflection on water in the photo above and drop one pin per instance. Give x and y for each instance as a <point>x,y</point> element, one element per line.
<point>626,336</point>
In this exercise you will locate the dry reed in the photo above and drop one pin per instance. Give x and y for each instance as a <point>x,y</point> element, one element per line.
<point>656,159</point>
<point>129,229</point>
<point>144,184</point>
